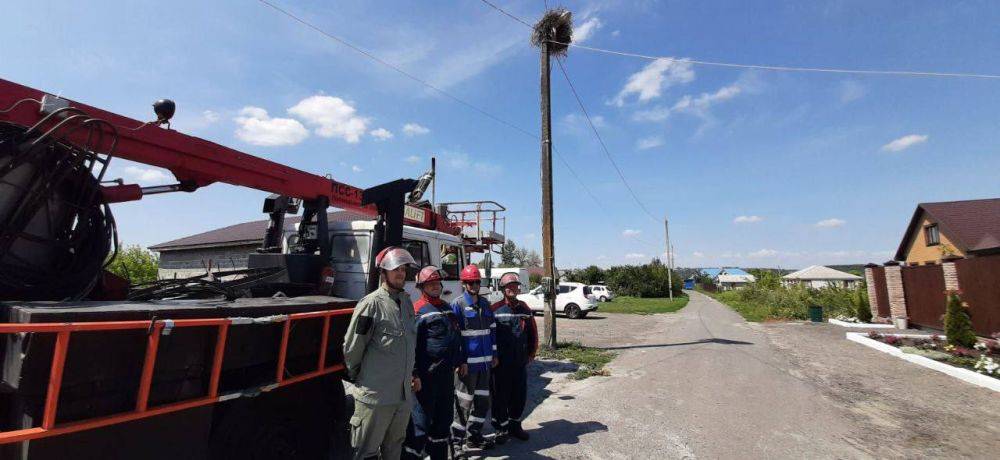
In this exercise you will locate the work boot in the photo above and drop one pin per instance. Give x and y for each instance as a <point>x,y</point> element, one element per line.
<point>517,432</point>
<point>477,441</point>
<point>457,452</point>
<point>500,437</point>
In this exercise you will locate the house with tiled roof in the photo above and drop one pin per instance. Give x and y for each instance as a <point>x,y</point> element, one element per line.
<point>946,229</point>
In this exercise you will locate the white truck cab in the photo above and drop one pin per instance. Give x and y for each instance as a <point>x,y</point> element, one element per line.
<point>351,244</point>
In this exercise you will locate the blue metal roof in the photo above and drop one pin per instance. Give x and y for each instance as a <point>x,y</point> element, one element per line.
<point>713,272</point>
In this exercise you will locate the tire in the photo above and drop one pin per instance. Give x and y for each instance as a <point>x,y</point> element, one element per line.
<point>604,299</point>
<point>573,311</point>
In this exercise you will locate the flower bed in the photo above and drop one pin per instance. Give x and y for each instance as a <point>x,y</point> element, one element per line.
<point>850,321</point>
<point>983,358</point>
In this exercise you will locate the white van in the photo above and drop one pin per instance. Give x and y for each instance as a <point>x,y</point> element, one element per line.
<point>601,292</point>
<point>351,246</point>
<point>573,299</point>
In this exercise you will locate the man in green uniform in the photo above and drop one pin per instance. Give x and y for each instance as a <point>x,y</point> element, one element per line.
<point>379,352</point>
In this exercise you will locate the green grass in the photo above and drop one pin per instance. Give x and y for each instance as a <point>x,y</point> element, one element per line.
<point>643,306</point>
<point>749,311</point>
<point>590,360</point>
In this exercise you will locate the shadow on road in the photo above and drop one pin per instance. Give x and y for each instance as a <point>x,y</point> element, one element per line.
<point>549,434</point>
<point>696,342</point>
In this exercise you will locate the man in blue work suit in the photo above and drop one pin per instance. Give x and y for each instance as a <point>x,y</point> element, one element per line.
<point>472,392</point>
<point>440,355</point>
<point>517,343</point>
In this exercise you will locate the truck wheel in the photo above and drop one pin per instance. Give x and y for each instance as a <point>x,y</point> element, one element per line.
<point>604,298</point>
<point>573,311</point>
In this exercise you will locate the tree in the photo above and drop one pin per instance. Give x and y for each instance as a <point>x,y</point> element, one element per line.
<point>520,256</point>
<point>532,260</point>
<point>135,264</point>
<point>863,310</point>
<point>508,254</point>
<point>957,324</point>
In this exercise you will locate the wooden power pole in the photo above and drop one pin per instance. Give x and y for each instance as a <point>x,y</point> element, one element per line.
<point>670,257</point>
<point>555,26</point>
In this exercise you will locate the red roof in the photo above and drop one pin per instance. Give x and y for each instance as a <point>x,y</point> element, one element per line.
<point>972,225</point>
<point>245,233</point>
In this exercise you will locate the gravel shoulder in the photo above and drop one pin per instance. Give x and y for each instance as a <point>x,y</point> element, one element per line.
<point>704,383</point>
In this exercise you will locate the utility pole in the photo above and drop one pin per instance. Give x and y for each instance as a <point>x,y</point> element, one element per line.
<point>555,26</point>
<point>670,257</point>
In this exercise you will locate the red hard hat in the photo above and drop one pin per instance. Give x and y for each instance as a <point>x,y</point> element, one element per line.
<point>428,274</point>
<point>470,273</point>
<point>392,257</point>
<point>509,278</point>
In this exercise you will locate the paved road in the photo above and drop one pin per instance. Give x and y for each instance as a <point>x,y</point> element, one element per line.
<point>704,383</point>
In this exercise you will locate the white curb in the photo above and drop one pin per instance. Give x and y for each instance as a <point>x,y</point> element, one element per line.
<point>965,375</point>
<point>860,325</point>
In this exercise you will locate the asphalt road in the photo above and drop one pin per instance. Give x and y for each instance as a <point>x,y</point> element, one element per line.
<point>703,383</point>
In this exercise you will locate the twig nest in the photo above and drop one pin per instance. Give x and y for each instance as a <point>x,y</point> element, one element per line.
<point>556,28</point>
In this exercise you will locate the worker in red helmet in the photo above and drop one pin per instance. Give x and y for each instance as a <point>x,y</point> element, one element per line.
<point>440,355</point>
<point>472,391</point>
<point>517,343</point>
<point>379,355</point>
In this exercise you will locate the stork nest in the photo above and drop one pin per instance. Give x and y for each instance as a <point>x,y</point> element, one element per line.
<point>556,28</point>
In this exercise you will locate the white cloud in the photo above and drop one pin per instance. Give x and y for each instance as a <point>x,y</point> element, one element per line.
<point>832,222</point>
<point>145,174</point>
<point>616,33</point>
<point>461,162</point>
<point>747,219</point>
<point>584,31</point>
<point>332,117</point>
<point>356,168</point>
<point>763,253</point>
<point>851,90</point>
<point>413,129</point>
<point>630,233</point>
<point>210,116</point>
<point>649,82</point>
<point>699,105</point>
<point>635,255</point>
<point>574,120</point>
<point>649,143</point>
<point>530,236</point>
<point>905,142</point>
<point>698,254</point>
<point>381,134</point>
<point>412,159</point>
<point>257,128</point>
<point>658,113</point>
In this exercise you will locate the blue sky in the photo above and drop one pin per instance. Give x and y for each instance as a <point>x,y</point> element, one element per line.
<point>754,168</point>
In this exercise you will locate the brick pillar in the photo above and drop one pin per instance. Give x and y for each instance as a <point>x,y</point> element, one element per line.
<point>950,276</point>
<point>872,297</point>
<point>894,283</point>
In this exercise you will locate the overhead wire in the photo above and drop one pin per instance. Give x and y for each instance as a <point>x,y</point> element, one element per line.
<point>903,73</point>
<point>436,88</point>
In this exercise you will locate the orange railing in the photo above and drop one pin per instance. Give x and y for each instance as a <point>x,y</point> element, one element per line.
<point>63,333</point>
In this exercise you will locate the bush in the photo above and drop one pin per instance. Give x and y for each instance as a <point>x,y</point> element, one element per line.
<point>650,280</point>
<point>957,325</point>
<point>863,310</point>
<point>135,264</point>
<point>757,303</point>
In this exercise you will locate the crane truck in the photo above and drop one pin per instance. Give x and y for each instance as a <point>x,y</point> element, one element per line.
<point>239,364</point>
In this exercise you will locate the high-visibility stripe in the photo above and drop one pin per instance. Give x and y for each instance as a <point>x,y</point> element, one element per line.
<point>464,396</point>
<point>482,392</point>
<point>456,426</point>
<point>476,419</point>
<point>515,419</point>
<point>435,440</point>
<point>412,451</point>
<point>432,314</point>
<point>512,315</point>
<point>494,347</point>
<point>493,325</point>
<point>475,332</point>
<point>481,359</point>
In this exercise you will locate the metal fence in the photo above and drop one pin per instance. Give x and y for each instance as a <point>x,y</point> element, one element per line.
<point>881,299</point>
<point>925,295</point>
<point>979,282</point>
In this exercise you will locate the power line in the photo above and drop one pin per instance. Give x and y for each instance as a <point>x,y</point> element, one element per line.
<point>436,89</point>
<point>604,146</point>
<point>904,73</point>
<point>501,10</point>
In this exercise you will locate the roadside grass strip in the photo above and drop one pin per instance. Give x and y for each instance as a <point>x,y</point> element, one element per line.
<point>860,325</point>
<point>644,306</point>
<point>590,360</point>
<point>965,375</point>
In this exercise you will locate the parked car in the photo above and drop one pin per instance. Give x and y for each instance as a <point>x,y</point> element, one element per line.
<point>575,300</point>
<point>601,292</point>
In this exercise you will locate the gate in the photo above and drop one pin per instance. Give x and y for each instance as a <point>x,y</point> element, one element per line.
<point>979,281</point>
<point>923,287</point>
